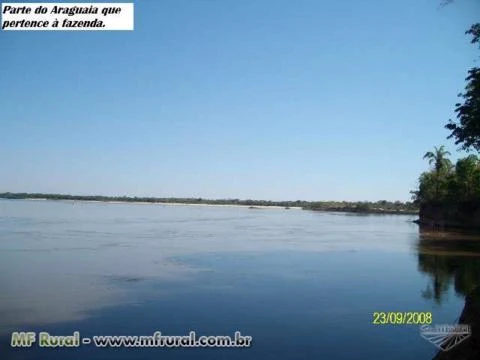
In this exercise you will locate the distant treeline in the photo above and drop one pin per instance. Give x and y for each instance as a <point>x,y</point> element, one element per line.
<point>382,206</point>
<point>378,207</point>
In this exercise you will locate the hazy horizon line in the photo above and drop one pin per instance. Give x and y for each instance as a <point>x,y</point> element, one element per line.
<point>200,198</point>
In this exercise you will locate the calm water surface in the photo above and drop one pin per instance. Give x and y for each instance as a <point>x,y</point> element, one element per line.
<point>304,285</point>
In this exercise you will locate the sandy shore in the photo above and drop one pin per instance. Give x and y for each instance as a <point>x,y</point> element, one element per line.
<point>253,207</point>
<point>234,205</point>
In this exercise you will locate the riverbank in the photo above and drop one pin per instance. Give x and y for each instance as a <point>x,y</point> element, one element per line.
<point>382,207</point>
<point>469,349</point>
<point>160,203</point>
<point>372,211</point>
<point>450,215</point>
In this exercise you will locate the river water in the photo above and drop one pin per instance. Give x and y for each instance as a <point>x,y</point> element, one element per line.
<point>303,285</point>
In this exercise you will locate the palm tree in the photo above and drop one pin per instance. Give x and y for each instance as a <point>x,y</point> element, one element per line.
<point>438,158</point>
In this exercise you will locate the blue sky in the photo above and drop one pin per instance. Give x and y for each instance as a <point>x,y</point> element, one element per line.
<point>279,99</point>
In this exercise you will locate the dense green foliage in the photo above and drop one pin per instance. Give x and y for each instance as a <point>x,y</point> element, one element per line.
<point>373,207</point>
<point>447,183</point>
<point>466,130</point>
<point>449,194</point>
<point>441,164</point>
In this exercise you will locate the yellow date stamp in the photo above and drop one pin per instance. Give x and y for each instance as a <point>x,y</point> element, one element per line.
<point>402,318</point>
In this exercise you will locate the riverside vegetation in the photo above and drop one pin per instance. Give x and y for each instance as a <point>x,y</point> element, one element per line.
<point>449,194</point>
<point>379,207</point>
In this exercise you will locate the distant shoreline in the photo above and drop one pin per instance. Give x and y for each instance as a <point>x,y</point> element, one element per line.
<point>171,204</point>
<point>382,207</point>
<point>260,207</point>
<point>159,203</point>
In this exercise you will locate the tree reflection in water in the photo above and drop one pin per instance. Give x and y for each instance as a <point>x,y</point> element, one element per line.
<point>454,257</point>
<point>449,257</point>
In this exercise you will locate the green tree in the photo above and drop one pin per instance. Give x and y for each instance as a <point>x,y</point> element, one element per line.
<point>467,173</point>
<point>466,130</point>
<point>441,164</point>
<point>426,188</point>
<point>438,158</point>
